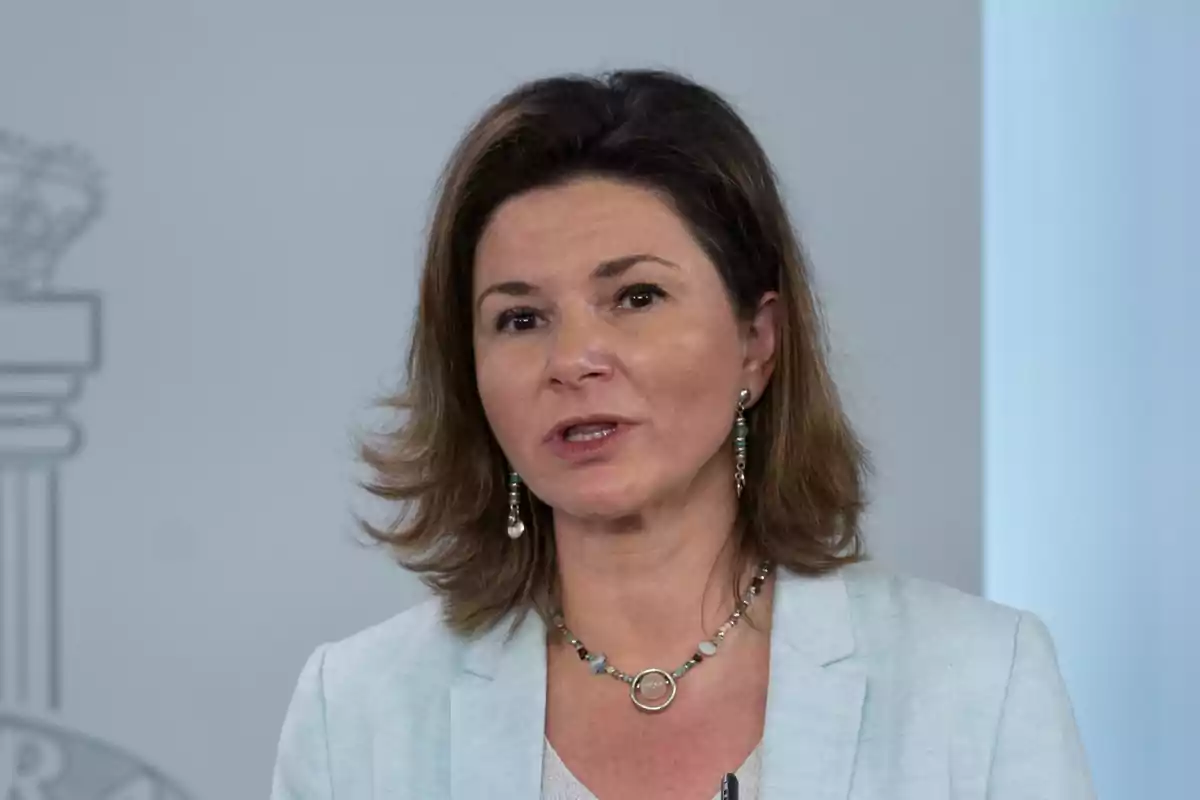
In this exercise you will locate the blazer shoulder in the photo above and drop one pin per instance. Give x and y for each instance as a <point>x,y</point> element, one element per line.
<point>414,645</point>
<point>932,622</point>
<point>388,683</point>
<point>987,674</point>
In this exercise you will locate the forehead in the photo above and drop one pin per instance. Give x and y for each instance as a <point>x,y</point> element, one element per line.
<point>580,224</point>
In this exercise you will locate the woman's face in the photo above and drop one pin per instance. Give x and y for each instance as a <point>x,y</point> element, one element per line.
<point>608,354</point>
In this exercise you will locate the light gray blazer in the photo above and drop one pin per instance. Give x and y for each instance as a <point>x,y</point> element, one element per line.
<point>882,688</point>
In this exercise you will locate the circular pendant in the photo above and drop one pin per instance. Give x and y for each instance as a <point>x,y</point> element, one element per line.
<point>652,689</point>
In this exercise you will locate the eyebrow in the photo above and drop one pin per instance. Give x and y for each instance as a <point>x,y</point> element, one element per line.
<point>609,268</point>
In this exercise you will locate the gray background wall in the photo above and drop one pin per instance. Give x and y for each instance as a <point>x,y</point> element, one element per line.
<point>268,168</point>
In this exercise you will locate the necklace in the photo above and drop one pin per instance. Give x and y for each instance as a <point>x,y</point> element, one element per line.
<point>654,689</point>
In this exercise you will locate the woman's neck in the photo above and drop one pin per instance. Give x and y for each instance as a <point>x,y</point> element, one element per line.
<point>646,590</point>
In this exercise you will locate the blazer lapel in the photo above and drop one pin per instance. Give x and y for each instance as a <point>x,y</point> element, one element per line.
<point>497,715</point>
<point>814,704</point>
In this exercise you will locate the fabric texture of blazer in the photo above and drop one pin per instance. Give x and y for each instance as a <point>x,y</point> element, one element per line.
<point>881,688</point>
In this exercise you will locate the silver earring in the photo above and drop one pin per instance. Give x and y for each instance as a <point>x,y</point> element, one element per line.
<point>741,431</point>
<point>515,526</point>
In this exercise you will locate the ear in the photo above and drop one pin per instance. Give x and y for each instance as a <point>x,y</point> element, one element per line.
<point>760,336</point>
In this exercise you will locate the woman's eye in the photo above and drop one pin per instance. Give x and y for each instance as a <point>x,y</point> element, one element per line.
<point>640,295</point>
<point>517,319</point>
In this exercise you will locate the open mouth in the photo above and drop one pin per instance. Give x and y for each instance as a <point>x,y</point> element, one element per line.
<point>588,431</point>
<point>585,439</point>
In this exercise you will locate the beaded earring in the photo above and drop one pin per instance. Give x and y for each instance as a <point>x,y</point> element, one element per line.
<point>515,526</point>
<point>741,431</point>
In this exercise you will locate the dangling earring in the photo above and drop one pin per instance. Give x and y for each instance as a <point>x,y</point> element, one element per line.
<point>741,432</point>
<point>515,526</point>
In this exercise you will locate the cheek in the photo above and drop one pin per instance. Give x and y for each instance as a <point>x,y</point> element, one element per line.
<point>696,412</point>
<point>494,393</point>
<point>503,394</point>
<point>693,381</point>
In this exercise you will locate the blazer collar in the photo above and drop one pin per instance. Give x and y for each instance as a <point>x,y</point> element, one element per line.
<point>815,698</point>
<point>498,713</point>
<point>814,702</point>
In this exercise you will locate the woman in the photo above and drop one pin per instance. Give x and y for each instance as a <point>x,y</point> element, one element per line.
<point>627,477</point>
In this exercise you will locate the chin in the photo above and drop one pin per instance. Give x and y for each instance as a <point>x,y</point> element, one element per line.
<point>602,502</point>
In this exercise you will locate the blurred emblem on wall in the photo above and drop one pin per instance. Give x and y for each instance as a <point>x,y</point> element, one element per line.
<point>50,342</point>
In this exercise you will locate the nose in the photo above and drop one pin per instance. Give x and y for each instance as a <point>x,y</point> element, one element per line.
<point>579,351</point>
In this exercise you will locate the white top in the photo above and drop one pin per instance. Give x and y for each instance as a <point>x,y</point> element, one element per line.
<point>559,784</point>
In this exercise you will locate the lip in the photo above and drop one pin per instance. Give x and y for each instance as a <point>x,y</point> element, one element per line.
<point>575,451</point>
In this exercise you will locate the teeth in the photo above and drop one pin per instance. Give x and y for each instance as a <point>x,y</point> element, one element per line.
<point>586,433</point>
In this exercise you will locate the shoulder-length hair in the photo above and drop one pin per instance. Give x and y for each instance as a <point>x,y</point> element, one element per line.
<point>442,466</point>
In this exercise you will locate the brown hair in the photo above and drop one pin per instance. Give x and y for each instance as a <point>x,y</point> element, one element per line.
<point>441,464</point>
